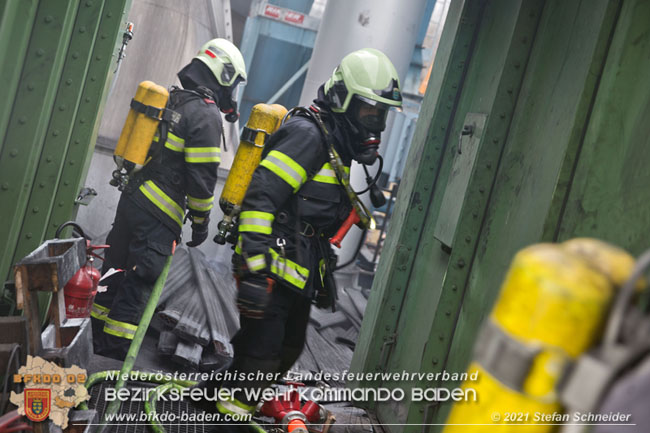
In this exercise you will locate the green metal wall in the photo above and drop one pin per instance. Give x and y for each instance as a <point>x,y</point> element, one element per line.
<point>563,152</point>
<point>58,58</point>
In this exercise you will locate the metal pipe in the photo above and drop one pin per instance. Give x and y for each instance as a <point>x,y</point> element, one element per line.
<point>289,83</point>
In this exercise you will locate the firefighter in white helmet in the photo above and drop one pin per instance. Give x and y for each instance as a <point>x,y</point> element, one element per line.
<point>180,177</point>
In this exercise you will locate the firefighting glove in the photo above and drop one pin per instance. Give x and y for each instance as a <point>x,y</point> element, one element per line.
<point>199,234</point>
<point>254,295</point>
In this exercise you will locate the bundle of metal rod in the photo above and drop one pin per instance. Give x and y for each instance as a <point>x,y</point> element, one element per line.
<point>216,324</point>
<point>176,305</point>
<point>188,353</point>
<point>223,286</point>
<point>191,325</point>
<point>167,343</point>
<point>179,274</point>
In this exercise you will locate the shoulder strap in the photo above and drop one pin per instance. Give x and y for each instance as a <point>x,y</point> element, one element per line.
<point>336,162</point>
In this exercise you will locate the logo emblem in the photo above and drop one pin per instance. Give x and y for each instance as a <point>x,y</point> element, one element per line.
<point>37,404</point>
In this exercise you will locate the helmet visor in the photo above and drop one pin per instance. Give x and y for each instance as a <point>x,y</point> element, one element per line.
<point>368,113</point>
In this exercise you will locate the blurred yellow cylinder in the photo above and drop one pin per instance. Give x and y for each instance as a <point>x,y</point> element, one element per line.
<point>551,300</point>
<point>139,129</point>
<point>265,118</point>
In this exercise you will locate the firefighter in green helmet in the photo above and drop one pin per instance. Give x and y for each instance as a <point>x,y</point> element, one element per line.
<point>294,205</point>
<point>181,175</point>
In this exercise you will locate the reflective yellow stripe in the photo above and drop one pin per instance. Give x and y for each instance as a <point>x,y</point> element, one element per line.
<point>198,220</point>
<point>202,154</point>
<point>120,329</point>
<point>173,142</point>
<point>288,270</point>
<point>99,312</point>
<point>285,168</point>
<point>254,221</point>
<point>255,263</point>
<point>200,204</point>
<point>235,407</point>
<point>238,246</point>
<point>327,174</point>
<point>162,201</point>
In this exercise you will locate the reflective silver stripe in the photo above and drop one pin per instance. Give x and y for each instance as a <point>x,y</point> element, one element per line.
<point>200,204</point>
<point>283,169</point>
<point>162,201</point>
<point>256,263</point>
<point>202,154</point>
<point>288,270</point>
<point>119,329</point>
<point>99,312</point>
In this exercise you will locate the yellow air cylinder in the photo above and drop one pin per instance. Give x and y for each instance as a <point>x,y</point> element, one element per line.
<point>139,129</point>
<point>263,118</point>
<point>553,303</point>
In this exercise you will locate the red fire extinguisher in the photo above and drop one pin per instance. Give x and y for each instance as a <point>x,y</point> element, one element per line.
<point>80,291</point>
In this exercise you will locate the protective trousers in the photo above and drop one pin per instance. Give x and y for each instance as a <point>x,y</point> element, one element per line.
<point>266,347</point>
<point>139,245</point>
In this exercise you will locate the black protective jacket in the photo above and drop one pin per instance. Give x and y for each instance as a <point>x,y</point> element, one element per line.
<point>183,173</point>
<point>293,205</point>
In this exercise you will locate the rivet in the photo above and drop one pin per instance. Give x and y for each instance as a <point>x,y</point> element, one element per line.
<point>517,65</point>
<point>481,190</point>
<point>40,52</point>
<point>5,186</point>
<point>89,3</point>
<point>48,159</point>
<point>408,248</point>
<point>28,235</point>
<point>98,58</point>
<point>87,99</point>
<point>48,19</point>
<point>55,225</point>
<point>387,327</point>
<point>420,207</point>
<point>461,263</point>
<point>441,337</point>
<point>30,87</point>
<point>68,82</point>
<point>41,185</point>
<point>495,140</point>
<point>415,229</point>
<point>55,132</point>
<point>110,14</point>
<point>488,166</point>
<point>22,120</point>
<point>448,313</point>
<point>71,162</point>
<point>421,410</point>
<point>61,204</point>
<point>475,214</point>
<point>61,107</point>
<point>502,115</point>
<point>35,210</point>
<point>434,361</point>
<point>103,36</point>
<point>510,91</point>
<point>442,127</point>
<point>468,238</point>
<point>392,308</point>
<point>77,141</point>
<point>82,29</point>
<point>66,183</point>
<point>13,153</point>
<point>93,78</point>
<point>75,55</point>
<point>454,287</point>
<point>82,120</point>
<point>398,289</point>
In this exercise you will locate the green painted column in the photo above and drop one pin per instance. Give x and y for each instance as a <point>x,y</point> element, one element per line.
<point>63,56</point>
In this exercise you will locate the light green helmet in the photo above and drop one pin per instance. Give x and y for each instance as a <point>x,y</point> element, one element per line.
<point>366,74</point>
<point>224,60</point>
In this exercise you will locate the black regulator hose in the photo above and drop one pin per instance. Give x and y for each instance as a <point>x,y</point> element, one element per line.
<point>76,228</point>
<point>369,179</point>
<point>356,252</point>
